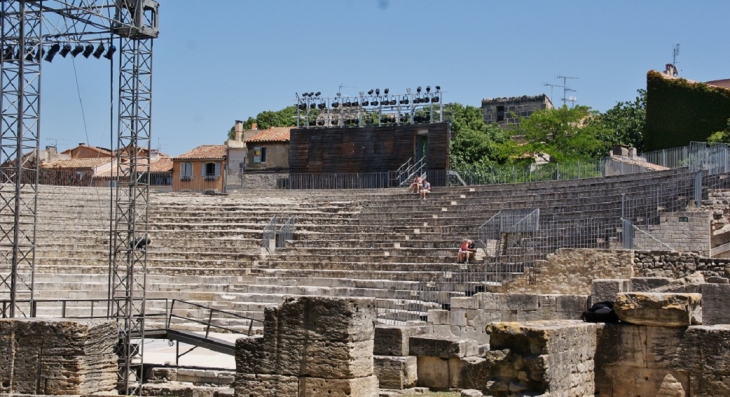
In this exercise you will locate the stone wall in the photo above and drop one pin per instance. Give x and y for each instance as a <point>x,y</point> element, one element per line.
<point>311,347</point>
<point>263,181</point>
<point>57,357</point>
<point>677,265</point>
<point>683,231</point>
<point>570,271</point>
<point>522,106</point>
<point>553,358</point>
<point>469,316</point>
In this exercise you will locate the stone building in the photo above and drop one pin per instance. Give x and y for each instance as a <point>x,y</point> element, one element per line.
<point>199,169</point>
<point>505,111</point>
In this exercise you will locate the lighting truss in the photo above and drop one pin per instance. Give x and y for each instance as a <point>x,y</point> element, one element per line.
<point>371,108</point>
<point>29,27</point>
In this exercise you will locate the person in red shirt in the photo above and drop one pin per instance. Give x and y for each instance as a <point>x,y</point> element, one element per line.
<point>463,255</point>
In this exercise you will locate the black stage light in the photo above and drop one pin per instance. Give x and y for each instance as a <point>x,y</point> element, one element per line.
<point>365,103</point>
<point>370,92</point>
<point>335,104</point>
<point>302,106</point>
<point>322,105</point>
<point>312,105</point>
<point>386,91</point>
<point>29,54</point>
<point>110,52</point>
<point>435,99</point>
<point>88,50</point>
<point>318,93</point>
<point>8,53</point>
<point>418,89</point>
<point>52,52</point>
<point>428,88</point>
<point>39,54</point>
<point>354,103</point>
<point>19,54</point>
<point>392,102</point>
<point>374,103</point>
<point>377,91</point>
<point>99,50</point>
<point>77,50</point>
<point>438,88</point>
<point>65,50</point>
<point>311,94</point>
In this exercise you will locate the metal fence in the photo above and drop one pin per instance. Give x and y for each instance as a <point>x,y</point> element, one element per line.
<point>285,233</point>
<point>268,238</point>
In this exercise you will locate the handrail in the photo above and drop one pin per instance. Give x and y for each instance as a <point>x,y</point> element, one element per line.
<point>168,313</point>
<point>285,232</point>
<point>65,303</point>
<point>209,322</point>
<point>269,234</point>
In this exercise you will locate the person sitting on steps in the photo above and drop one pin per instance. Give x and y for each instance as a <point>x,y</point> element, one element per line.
<point>470,251</point>
<point>426,189</point>
<point>416,185</point>
<point>463,254</point>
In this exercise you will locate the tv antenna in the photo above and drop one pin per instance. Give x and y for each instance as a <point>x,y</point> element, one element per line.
<point>551,89</point>
<point>572,100</point>
<point>566,90</point>
<point>339,91</point>
<point>675,54</point>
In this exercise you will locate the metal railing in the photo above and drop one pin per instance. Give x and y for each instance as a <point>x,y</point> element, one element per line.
<point>209,320</point>
<point>268,239</point>
<point>75,308</point>
<point>285,233</point>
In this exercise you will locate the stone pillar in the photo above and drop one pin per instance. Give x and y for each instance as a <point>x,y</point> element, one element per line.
<point>61,357</point>
<point>312,346</point>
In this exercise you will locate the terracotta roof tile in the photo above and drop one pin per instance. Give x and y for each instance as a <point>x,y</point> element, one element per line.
<point>163,164</point>
<point>273,134</point>
<point>205,152</point>
<point>76,163</point>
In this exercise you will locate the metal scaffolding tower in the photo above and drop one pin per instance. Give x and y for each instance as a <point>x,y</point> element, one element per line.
<point>30,29</point>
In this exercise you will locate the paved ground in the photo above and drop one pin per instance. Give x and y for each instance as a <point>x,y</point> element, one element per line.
<point>159,351</point>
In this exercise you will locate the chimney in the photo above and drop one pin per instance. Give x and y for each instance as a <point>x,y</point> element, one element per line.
<point>238,130</point>
<point>254,126</point>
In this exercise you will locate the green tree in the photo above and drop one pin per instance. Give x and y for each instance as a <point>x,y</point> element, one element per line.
<point>475,144</point>
<point>286,117</point>
<point>564,133</point>
<point>721,136</point>
<point>625,122</point>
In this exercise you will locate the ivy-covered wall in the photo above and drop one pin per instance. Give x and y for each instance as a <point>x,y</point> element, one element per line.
<point>679,111</point>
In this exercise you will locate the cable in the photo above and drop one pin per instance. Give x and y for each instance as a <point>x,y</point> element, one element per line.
<point>78,92</point>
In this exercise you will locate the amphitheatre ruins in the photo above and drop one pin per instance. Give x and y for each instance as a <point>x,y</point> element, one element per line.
<point>365,298</point>
<point>339,282</point>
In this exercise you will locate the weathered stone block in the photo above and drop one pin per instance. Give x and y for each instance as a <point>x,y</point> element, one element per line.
<point>437,317</point>
<point>442,346</point>
<point>605,290</point>
<point>396,372</point>
<point>252,385</point>
<point>706,354</point>
<point>521,302</point>
<point>312,317</point>
<point>57,357</point>
<point>542,356</point>
<point>571,306</point>
<point>491,301</point>
<point>715,304</point>
<point>632,381</point>
<point>645,284</point>
<point>356,387</point>
<point>639,346</point>
<point>463,302</point>
<point>315,358</point>
<point>392,340</point>
<point>658,309</point>
<point>438,373</point>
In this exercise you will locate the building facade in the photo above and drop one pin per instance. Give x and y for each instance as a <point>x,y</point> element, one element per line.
<point>506,111</point>
<point>200,169</point>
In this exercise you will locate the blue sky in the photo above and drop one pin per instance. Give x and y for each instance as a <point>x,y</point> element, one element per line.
<point>217,61</point>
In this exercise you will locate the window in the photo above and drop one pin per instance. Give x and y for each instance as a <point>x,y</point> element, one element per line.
<point>186,171</point>
<point>211,171</point>
<point>500,113</point>
<point>259,154</point>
